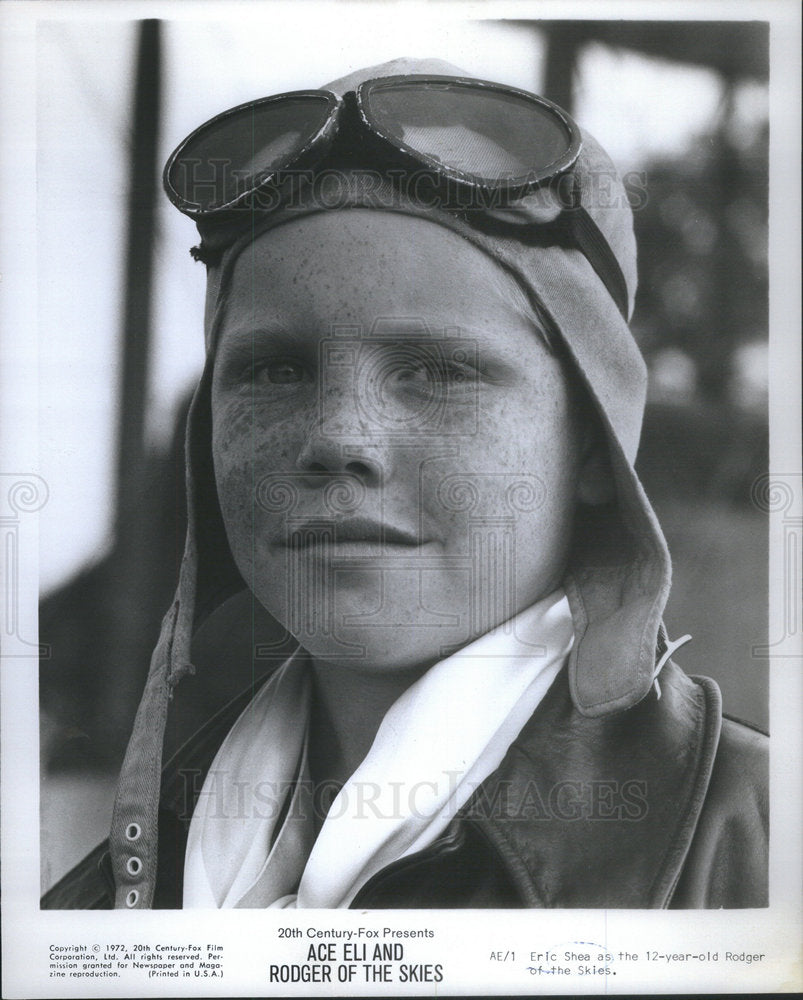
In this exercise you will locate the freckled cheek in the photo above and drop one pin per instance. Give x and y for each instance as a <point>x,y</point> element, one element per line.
<point>235,490</point>
<point>520,462</point>
<point>252,531</point>
<point>243,433</point>
<point>246,449</point>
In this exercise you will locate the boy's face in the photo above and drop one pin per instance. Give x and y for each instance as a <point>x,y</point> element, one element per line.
<point>396,450</point>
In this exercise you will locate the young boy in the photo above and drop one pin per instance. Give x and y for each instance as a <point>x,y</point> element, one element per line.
<point>413,443</point>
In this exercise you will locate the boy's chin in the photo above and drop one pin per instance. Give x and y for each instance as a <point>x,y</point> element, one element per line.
<point>392,627</point>
<point>372,653</point>
<point>396,625</point>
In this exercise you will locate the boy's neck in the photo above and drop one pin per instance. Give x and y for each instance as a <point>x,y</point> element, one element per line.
<point>348,707</point>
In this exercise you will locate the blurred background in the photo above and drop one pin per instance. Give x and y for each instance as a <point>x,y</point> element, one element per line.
<point>681,107</point>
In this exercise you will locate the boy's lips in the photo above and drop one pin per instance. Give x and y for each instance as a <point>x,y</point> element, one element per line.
<point>350,531</point>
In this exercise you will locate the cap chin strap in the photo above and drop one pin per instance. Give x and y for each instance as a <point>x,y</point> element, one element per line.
<point>669,647</point>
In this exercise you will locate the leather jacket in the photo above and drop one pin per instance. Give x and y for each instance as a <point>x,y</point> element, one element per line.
<point>661,805</point>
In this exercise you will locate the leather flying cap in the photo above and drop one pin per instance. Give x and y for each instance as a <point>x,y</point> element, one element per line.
<point>621,569</point>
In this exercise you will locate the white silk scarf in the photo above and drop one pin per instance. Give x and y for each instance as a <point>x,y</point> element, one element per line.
<point>252,841</point>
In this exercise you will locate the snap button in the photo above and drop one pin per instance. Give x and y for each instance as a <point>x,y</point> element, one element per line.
<point>133,866</point>
<point>132,898</point>
<point>133,831</point>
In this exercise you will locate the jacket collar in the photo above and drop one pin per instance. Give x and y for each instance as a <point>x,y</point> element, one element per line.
<point>600,812</point>
<point>585,813</point>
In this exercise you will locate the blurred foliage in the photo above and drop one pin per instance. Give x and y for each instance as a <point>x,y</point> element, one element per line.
<point>702,238</point>
<point>701,310</point>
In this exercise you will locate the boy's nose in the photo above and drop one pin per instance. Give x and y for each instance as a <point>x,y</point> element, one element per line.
<point>341,437</point>
<point>322,455</point>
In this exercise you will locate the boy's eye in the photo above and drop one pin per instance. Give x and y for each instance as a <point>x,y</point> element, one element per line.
<point>281,372</point>
<point>436,371</point>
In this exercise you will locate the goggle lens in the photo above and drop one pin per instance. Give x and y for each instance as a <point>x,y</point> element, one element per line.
<point>229,156</point>
<point>490,136</point>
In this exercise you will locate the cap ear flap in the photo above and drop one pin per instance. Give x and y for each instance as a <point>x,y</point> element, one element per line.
<point>595,484</point>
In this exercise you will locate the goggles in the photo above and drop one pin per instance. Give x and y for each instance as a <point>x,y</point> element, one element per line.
<point>481,147</point>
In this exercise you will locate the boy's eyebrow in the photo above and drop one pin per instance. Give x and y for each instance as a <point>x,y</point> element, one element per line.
<point>276,330</point>
<point>243,339</point>
<point>245,336</point>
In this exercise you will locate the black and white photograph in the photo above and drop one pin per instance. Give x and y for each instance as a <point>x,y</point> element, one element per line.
<point>402,499</point>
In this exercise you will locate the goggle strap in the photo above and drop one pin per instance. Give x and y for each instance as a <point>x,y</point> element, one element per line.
<point>598,253</point>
